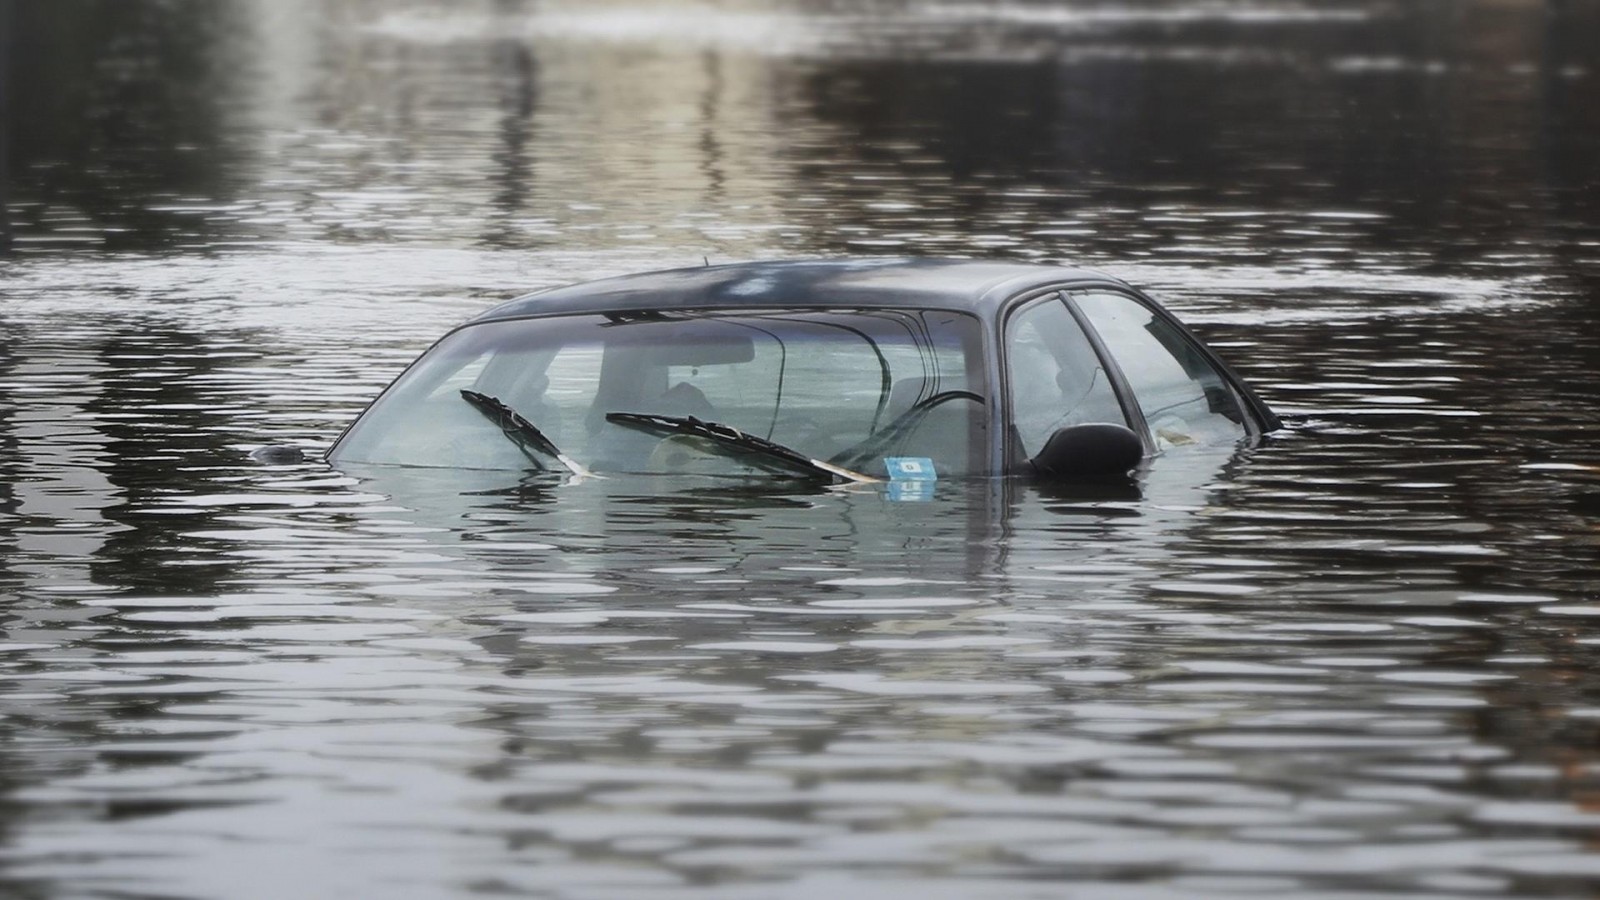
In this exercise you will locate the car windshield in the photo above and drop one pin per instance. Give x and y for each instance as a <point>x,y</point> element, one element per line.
<point>621,393</point>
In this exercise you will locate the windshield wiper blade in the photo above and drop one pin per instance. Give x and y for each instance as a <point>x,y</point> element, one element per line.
<point>727,436</point>
<point>522,432</point>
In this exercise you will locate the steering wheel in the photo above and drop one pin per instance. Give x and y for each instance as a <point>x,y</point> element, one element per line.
<point>879,441</point>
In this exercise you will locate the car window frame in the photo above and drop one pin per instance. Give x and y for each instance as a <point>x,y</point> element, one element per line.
<point>1257,418</point>
<point>1011,451</point>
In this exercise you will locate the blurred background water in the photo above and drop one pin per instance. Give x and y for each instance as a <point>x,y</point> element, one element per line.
<point>1357,661</point>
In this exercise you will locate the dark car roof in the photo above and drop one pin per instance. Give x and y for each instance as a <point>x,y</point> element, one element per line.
<point>975,286</point>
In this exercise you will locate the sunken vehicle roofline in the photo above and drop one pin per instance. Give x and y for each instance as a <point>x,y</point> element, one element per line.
<point>972,286</point>
<point>989,292</point>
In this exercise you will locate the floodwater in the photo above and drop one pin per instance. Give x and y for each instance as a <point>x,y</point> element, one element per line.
<point>1362,660</point>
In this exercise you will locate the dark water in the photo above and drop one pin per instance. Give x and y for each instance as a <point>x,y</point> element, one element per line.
<point>1358,661</point>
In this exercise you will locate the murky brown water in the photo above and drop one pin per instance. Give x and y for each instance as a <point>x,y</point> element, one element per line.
<point>1357,661</point>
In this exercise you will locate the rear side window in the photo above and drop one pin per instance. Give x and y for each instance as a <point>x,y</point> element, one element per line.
<point>1184,398</point>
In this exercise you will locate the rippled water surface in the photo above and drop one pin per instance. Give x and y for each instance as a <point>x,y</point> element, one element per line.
<point>1359,660</point>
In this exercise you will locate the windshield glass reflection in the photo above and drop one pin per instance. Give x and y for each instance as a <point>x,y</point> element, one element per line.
<point>852,388</point>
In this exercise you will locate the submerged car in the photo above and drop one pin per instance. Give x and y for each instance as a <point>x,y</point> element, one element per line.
<point>835,370</point>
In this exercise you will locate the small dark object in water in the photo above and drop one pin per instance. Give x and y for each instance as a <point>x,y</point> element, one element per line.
<point>278,454</point>
<point>1587,503</point>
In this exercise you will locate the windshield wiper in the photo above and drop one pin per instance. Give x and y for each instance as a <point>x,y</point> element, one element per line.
<point>522,432</point>
<point>778,456</point>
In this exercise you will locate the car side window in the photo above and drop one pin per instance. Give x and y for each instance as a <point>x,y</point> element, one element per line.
<point>1056,377</point>
<point>1184,398</point>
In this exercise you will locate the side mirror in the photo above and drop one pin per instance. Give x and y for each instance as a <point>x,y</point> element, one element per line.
<point>1092,452</point>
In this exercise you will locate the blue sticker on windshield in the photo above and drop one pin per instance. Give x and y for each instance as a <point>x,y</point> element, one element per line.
<point>910,468</point>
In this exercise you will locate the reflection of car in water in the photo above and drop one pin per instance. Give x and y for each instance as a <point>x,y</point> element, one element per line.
<point>899,370</point>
